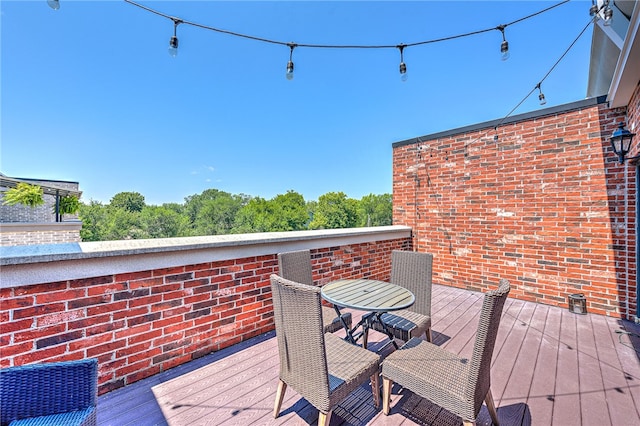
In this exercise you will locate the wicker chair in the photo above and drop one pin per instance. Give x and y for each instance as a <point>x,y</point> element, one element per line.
<point>411,270</point>
<point>296,266</point>
<point>453,383</point>
<point>57,393</point>
<point>323,368</point>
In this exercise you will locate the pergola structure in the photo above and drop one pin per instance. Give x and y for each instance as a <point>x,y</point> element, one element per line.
<point>48,189</point>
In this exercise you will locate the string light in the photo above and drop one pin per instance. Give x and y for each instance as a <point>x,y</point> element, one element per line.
<point>545,76</point>
<point>403,66</point>
<point>541,97</point>
<point>608,13</point>
<point>173,42</point>
<point>289,74</point>
<point>504,46</point>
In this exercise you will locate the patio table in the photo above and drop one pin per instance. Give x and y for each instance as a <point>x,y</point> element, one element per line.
<point>374,296</point>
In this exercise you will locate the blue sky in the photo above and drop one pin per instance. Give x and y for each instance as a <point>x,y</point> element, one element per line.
<point>90,94</point>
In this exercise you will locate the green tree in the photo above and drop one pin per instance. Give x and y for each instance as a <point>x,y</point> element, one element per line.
<point>311,206</point>
<point>375,210</point>
<point>123,224</point>
<point>130,201</point>
<point>335,210</point>
<point>253,217</point>
<point>94,217</point>
<point>163,222</point>
<point>284,212</point>
<point>175,207</point>
<point>288,212</point>
<point>213,212</point>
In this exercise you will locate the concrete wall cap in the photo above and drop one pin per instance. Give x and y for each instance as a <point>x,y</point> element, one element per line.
<point>16,255</point>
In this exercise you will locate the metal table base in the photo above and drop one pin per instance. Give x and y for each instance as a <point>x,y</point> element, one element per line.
<point>353,335</point>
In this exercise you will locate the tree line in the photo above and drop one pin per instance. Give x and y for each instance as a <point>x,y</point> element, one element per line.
<point>215,212</point>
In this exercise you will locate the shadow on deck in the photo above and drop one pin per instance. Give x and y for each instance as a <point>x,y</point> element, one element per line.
<point>550,367</point>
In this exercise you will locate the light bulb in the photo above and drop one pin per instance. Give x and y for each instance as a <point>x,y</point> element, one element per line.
<point>403,71</point>
<point>504,50</point>
<point>289,74</point>
<point>403,66</point>
<point>542,99</point>
<point>54,4</point>
<point>173,46</point>
<point>608,16</point>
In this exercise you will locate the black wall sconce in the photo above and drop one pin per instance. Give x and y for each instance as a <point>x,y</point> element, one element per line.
<point>621,142</point>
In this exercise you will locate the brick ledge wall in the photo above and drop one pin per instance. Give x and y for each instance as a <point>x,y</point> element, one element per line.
<point>145,321</point>
<point>27,233</point>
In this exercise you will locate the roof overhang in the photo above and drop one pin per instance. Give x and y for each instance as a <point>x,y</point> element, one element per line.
<point>51,189</point>
<point>627,72</point>
<point>614,65</point>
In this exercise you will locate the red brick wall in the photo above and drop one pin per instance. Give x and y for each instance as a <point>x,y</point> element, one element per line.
<point>44,237</point>
<point>545,205</point>
<point>141,323</point>
<point>633,118</point>
<point>628,270</point>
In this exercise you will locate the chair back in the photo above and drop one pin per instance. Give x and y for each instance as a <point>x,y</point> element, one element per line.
<point>36,390</point>
<point>296,266</point>
<point>300,335</point>
<point>480,377</point>
<point>412,270</point>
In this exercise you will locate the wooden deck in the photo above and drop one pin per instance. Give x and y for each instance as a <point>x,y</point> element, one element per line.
<point>550,367</point>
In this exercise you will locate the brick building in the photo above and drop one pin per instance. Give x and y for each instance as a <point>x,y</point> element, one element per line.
<point>538,198</point>
<point>24,225</point>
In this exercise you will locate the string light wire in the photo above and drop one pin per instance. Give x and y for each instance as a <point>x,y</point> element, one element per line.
<point>537,86</point>
<point>401,47</point>
<point>346,46</point>
<point>593,11</point>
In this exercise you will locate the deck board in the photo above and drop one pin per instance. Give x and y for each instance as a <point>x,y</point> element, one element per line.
<point>452,318</point>
<point>549,367</point>
<point>614,382</point>
<point>506,347</point>
<point>566,410</point>
<point>521,376</point>
<point>592,391</point>
<point>627,351</point>
<point>541,397</point>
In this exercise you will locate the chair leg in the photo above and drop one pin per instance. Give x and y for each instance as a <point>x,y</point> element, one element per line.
<point>491,406</point>
<point>375,389</point>
<point>429,336</point>
<point>282,387</point>
<point>324,419</point>
<point>365,337</point>
<point>386,395</point>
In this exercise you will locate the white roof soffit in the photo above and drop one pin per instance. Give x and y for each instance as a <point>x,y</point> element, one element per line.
<point>627,72</point>
<point>604,55</point>
<point>606,44</point>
